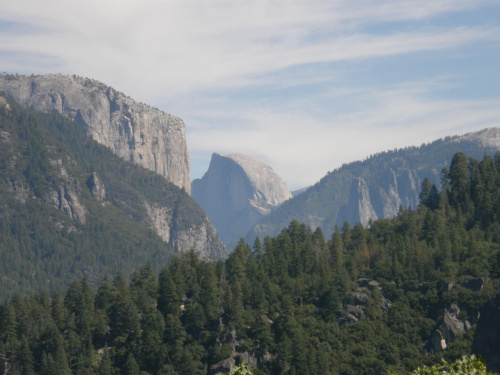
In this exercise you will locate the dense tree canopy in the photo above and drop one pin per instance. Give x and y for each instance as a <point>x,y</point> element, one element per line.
<point>364,301</point>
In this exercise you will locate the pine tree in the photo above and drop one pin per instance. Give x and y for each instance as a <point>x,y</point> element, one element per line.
<point>425,191</point>
<point>168,298</point>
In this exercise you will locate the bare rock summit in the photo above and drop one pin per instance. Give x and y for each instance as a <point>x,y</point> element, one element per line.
<point>134,131</point>
<point>236,191</point>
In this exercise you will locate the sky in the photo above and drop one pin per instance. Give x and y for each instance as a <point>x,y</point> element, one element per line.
<point>304,85</point>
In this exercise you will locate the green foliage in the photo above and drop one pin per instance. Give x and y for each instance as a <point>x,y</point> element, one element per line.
<point>41,247</point>
<point>471,365</point>
<point>327,202</point>
<point>243,369</point>
<point>284,303</point>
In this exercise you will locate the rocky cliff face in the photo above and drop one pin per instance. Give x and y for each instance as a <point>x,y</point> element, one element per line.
<point>376,187</point>
<point>134,131</point>
<point>39,169</point>
<point>236,192</point>
<point>200,236</point>
<point>62,190</point>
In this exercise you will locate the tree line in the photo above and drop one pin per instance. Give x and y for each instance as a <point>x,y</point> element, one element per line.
<point>282,300</point>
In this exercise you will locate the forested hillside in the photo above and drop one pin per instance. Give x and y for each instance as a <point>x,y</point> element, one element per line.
<point>375,187</point>
<point>401,294</point>
<point>71,208</point>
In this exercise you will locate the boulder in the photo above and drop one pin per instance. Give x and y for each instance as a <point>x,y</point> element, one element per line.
<point>448,329</point>
<point>351,314</point>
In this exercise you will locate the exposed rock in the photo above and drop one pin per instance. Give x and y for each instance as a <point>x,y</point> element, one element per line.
<point>225,366</point>
<point>487,335</point>
<point>361,297</point>
<point>64,197</point>
<point>368,283</point>
<point>448,286</point>
<point>489,137</point>
<point>160,219</point>
<point>96,187</point>
<point>448,329</point>
<point>17,188</point>
<point>134,131</point>
<point>203,239</point>
<point>385,304</point>
<point>359,208</point>
<point>376,187</point>
<point>237,191</point>
<point>64,193</point>
<point>351,314</point>
<point>4,104</point>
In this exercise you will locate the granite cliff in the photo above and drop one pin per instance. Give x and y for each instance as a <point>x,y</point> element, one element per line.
<point>376,187</point>
<point>134,131</point>
<point>73,203</point>
<point>236,191</point>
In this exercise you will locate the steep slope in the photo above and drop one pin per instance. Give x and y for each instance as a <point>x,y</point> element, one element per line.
<point>376,187</point>
<point>133,131</point>
<point>236,192</point>
<point>84,212</point>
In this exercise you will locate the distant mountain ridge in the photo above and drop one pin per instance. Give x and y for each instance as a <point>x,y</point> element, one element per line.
<point>376,187</point>
<point>236,191</point>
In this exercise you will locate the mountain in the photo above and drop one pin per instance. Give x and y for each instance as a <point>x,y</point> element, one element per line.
<point>69,207</point>
<point>236,191</point>
<point>133,131</point>
<point>376,187</point>
<point>406,292</point>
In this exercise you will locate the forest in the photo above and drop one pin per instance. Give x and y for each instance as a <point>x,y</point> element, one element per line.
<point>43,157</point>
<point>284,303</point>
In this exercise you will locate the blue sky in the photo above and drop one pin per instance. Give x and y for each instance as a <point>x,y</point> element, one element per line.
<point>304,85</point>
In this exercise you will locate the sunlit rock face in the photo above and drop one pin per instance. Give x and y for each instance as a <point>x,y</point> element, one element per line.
<point>375,188</point>
<point>236,192</point>
<point>134,131</point>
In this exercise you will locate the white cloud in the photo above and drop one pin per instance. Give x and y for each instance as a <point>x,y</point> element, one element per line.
<point>302,149</point>
<point>168,48</point>
<point>191,57</point>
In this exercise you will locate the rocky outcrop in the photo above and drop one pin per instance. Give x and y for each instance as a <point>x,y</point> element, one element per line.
<point>64,192</point>
<point>489,137</point>
<point>203,239</point>
<point>200,237</point>
<point>359,208</point>
<point>449,328</point>
<point>96,187</point>
<point>376,187</point>
<point>487,335</point>
<point>351,314</point>
<point>237,191</point>
<point>237,359</point>
<point>134,131</point>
